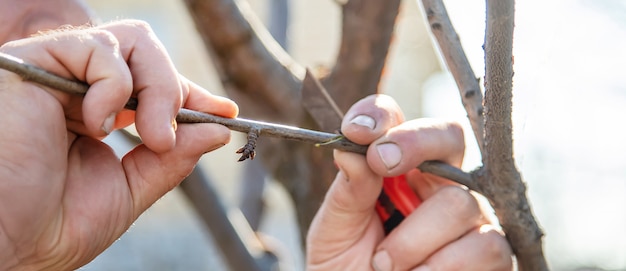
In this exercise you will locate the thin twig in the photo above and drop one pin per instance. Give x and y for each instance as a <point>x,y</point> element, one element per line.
<point>458,64</point>
<point>329,140</point>
<point>41,76</point>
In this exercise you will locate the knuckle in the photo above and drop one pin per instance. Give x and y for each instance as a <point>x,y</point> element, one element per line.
<point>129,28</point>
<point>457,135</point>
<point>496,248</point>
<point>103,38</point>
<point>456,130</point>
<point>462,204</point>
<point>133,27</point>
<point>139,25</point>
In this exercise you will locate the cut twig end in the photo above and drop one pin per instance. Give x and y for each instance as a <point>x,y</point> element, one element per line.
<point>332,140</point>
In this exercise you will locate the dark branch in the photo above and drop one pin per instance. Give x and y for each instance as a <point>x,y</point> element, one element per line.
<point>367,28</point>
<point>253,67</point>
<point>241,249</point>
<point>458,64</point>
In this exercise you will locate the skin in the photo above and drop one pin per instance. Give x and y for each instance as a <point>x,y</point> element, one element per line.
<point>65,197</point>
<point>449,231</point>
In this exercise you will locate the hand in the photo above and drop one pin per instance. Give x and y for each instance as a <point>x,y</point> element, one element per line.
<point>448,231</point>
<point>64,195</point>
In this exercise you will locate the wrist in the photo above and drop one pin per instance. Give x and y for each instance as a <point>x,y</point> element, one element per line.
<point>10,261</point>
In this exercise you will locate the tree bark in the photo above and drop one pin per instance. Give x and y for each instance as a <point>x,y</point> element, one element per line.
<point>500,180</point>
<point>367,28</point>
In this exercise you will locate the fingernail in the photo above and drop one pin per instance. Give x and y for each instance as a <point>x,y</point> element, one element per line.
<point>390,154</point>
<point>382,261</point>
<point>107,126</point>
<point>365,121</point>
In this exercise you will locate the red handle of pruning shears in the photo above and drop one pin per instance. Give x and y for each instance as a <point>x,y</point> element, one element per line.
<point>396,201</point>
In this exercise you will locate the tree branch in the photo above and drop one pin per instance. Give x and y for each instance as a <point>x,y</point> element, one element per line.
<point>499,178</point>
<point>266,83</point>
<point>253,67</point>
<point>458,64</point>
<point>367,28</point>
<point>241,249</point>
<point>328,140</point>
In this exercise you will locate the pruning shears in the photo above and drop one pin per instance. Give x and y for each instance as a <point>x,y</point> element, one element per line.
<point>397,200</point>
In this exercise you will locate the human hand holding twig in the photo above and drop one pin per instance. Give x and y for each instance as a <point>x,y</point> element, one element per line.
<point>65,196</point>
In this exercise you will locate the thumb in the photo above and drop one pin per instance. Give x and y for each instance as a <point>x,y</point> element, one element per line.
<point>347,213</point>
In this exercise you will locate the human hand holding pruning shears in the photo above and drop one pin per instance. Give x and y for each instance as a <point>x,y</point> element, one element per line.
<point>449,230</point>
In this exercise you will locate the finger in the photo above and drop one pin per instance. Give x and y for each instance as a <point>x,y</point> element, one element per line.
<point>202,100</point>
<point>441,219</point>
<point>370,118</point>
<point>155,82</point>
<point>198,99</point>
<point>481,249</point>
<point>88,55</point>
<point>425,184</point>
<point>347,213</point>
<point>151,174</point>
<point>192,141</point>
<point>409,144</point>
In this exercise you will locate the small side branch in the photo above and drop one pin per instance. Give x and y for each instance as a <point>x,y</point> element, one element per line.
<point>458,64</point>
<point>247,151</point>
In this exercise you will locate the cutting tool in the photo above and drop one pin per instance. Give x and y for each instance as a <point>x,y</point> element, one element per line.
<point>397,199</point>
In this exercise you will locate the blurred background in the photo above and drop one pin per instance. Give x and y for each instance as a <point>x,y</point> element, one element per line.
<point>569,93</point>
